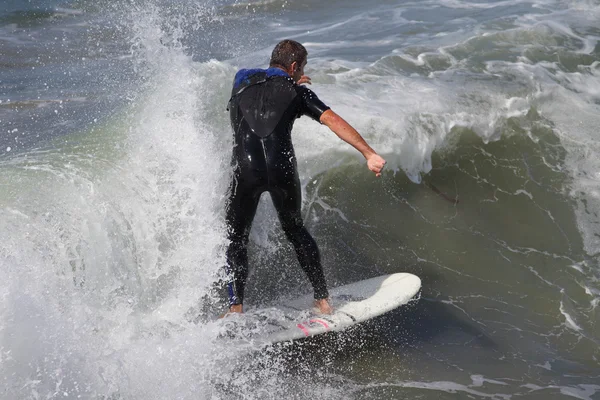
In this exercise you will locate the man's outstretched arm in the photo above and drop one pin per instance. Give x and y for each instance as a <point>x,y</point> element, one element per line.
<point>350,135</point>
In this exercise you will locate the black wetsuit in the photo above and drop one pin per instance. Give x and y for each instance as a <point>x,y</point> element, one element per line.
<point>263,108</point>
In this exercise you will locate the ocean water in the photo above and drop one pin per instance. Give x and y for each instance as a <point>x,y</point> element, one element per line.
<point>114,160</point>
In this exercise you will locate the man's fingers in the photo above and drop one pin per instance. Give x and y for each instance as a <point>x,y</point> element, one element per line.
<point>376,164</point>
<point>304,79</point>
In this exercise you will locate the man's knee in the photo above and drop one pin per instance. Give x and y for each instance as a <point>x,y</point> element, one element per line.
<point>292,226</point>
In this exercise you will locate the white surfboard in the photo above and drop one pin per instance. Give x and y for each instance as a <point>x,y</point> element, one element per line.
<point>296,319</point>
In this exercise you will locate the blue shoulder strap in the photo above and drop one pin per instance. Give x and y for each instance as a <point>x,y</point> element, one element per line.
<point>247,77</point>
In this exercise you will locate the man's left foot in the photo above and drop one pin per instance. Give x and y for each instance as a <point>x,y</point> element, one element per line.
<point>323,306</point>
<point>234,309</point>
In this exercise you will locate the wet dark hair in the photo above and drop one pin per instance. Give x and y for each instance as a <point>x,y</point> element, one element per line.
<point>286,52</point>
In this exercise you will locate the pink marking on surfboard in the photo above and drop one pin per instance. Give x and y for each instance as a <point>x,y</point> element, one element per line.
<point>320,321</point>
<point>306,332</point>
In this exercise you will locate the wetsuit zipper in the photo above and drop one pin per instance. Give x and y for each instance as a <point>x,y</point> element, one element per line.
<point>262,142</point>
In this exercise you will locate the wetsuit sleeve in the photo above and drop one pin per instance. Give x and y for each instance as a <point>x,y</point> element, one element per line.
<point>311,105</point>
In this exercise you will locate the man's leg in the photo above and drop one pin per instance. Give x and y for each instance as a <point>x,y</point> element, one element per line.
<point>287,201</point>
<point>239,215</point>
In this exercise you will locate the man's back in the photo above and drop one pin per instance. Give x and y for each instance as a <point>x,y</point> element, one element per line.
<point>263,108</point>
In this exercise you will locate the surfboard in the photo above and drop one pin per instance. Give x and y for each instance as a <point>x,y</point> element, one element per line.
<point>296,319</point>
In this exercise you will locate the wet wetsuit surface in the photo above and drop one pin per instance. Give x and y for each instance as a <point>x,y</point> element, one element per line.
<point>263,108</point>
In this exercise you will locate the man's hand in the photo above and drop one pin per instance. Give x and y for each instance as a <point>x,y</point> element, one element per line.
<point>375,163</point>
<point>304,79</point>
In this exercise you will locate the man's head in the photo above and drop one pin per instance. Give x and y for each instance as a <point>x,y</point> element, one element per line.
<point>290,56</point>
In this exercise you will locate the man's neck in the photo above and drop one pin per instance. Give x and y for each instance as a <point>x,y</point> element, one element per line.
<point>279,67</point>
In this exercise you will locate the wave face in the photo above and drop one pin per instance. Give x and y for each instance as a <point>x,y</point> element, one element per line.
<point>115,158</point>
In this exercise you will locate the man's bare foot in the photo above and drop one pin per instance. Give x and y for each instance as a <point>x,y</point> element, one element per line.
<point>323,306</point>
<point>234,309</point>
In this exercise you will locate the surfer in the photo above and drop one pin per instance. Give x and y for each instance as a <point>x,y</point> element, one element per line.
<point>263,107</point>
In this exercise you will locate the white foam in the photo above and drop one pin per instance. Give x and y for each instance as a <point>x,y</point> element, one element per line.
<point>473,5</point>
<point>569,321</point>
<point>546,366</point>
<point>526,193</point>
<point>68,11</point>
<point>583,391</point>
<point>403,118</point>
<point>576,121</point>
<point>452,387</point>
<point>108,250</point>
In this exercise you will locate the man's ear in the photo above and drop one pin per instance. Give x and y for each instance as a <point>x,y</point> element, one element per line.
<point>294,67</point>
